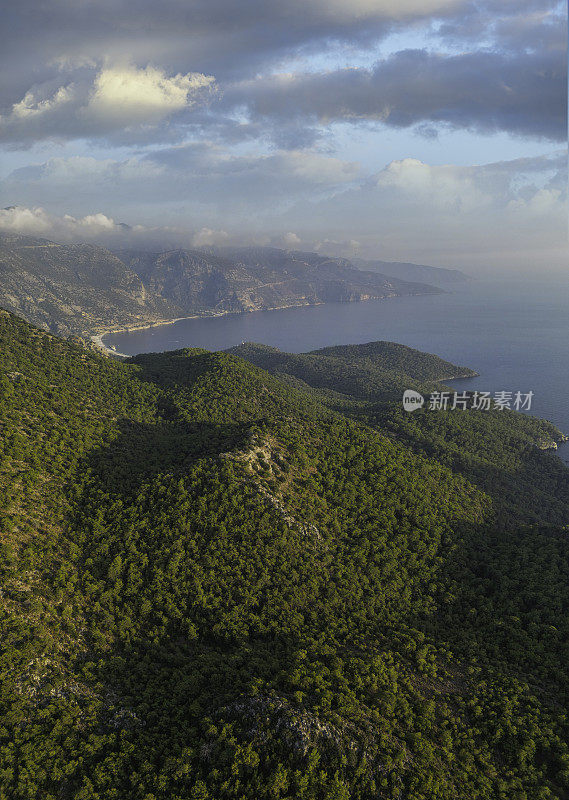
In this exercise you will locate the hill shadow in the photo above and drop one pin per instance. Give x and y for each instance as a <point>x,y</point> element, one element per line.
<point>174,368</point>
<point>143,450</point>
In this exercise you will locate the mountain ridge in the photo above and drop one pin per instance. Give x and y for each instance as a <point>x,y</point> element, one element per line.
<point>371,371</point>
<point>218,584</point>
<point>437,276</point>
<point>85,289</point>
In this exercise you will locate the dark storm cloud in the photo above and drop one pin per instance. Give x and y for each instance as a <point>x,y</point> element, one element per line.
<point>509,76</point>
<point>221,36</point>
<point>51,54</point>
<point>484,91</point>
<point>514,24</point>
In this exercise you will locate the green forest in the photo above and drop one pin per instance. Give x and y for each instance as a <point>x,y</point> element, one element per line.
<point>266,581</point>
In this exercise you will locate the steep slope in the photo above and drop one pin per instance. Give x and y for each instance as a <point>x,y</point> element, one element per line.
<point>73,288</point>
<point>85,289</point>
<point>499,452</point>
<point>246,279</point>
<point>216,586</point>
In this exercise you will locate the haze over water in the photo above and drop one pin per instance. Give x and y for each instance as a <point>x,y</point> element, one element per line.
<point>515,334</point>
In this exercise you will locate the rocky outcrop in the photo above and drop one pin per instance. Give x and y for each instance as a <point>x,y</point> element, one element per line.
<point>73,289</point>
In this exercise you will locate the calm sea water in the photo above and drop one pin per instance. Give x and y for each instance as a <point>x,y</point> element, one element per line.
<point>515,334</point>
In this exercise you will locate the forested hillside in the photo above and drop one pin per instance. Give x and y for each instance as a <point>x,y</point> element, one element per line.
<point>376,370</point>
<point>218,583</point>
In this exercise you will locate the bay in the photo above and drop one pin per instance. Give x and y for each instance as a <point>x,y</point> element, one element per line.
<point>515,333</point>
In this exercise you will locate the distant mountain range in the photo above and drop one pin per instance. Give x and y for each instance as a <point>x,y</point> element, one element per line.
<point>445,278</point>
<point>83,289</point>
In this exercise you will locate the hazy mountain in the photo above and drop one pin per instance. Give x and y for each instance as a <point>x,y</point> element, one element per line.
<point>251,278</point>
<point>437,276</point>
<point>84,288</point>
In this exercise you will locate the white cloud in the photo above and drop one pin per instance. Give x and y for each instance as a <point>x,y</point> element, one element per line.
<point>289,241</point>
<point>38,222</point>
<point>115,100</point>
<point>208,237</point>
<point>450,189</point>
<point>544,201</point>
<point>31,106</point>
<point>447,186</point>
<point>17,219</point>
<point>130,96</point>
<point>92,223</point>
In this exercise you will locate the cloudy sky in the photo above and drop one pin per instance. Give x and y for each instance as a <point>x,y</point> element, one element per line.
<point>424,130</point>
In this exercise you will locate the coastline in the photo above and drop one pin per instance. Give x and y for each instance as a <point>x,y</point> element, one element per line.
<point>471,374</point>
<point>97,339</point>
<point>561,450</point>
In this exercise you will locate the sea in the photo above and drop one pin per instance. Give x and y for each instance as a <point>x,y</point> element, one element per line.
<point>514,333</point>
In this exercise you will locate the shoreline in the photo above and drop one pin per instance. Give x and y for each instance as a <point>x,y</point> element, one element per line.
<point>471,374</point>
<point>97,338</point>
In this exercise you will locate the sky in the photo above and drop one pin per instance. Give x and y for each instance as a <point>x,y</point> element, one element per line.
<point>432,131</point>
